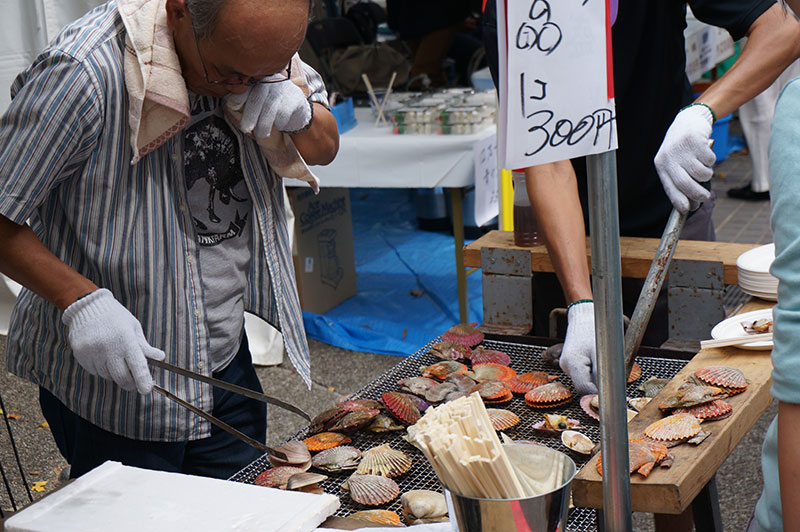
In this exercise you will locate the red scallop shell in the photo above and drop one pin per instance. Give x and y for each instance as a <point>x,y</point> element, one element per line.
<point>381,517</point>
<point>636,372</point>
<point>371,490</point>
<point>492,390</point>
<point>442,369</point>
<point>463,333</point>
<point>525,382</point>
<point>723,376</point>
<point>548,395</point>
<point>325,440</point>
<point>586,405</point>
<point>492,372</point>
<point>277,477</point>
<point>715,409</point>
<point>484,356</point>
<point>401,406</point>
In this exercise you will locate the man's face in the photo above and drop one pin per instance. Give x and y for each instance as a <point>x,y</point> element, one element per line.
<point>253,39</point>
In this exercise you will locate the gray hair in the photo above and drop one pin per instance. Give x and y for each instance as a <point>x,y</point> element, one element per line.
<point>205,14</point>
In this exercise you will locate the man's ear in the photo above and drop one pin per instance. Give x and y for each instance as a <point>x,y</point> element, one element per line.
<point>176,11</point>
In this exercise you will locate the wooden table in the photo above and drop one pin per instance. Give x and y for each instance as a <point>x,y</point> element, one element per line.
<point>671,490</point>
<point>636,253</point>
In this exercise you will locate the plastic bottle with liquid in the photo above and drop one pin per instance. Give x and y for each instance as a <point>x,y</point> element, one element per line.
<point>526,226</point>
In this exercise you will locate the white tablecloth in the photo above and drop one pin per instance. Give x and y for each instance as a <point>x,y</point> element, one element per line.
<point>373,157</point>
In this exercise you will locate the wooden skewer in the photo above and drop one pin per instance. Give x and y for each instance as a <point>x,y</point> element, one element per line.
<point>739,340</point>
<point>372,95</point>
<point>385,99</point>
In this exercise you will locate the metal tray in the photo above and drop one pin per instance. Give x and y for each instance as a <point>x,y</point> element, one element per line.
<point>525,357</point>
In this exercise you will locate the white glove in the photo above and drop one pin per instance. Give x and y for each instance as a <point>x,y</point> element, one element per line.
<point>579,356</point>
<point>685,158</point>
<point>107,341</point>
<point>281,105</point>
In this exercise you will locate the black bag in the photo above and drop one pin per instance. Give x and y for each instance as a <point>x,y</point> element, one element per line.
<point>366,16</point>
<point>377,60</point>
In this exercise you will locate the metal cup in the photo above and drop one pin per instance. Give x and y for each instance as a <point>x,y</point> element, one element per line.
<point>542,513</point>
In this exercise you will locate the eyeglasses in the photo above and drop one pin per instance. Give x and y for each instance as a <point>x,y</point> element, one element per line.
<point>284,75</point>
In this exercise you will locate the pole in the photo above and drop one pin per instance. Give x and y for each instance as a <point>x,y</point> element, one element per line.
<point>609,338</point>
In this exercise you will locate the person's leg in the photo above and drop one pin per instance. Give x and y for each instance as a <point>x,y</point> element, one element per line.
<point>86,446</point>
<point>221,454</point>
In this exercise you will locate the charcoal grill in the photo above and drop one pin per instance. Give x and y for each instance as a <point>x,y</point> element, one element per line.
<point>525,353</point>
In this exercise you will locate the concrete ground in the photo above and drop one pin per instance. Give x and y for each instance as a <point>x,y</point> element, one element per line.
<point>338,372</point>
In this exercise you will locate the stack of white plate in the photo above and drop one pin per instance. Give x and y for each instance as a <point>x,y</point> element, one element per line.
<point>754,277</point>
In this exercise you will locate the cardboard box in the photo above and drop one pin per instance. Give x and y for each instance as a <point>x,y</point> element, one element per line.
<point>324,261</point>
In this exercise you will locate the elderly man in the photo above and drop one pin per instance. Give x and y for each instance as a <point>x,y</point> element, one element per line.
<point>145,148</point>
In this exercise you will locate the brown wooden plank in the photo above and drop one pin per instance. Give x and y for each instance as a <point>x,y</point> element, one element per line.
<point>670,491</point>
<point>637,253</point>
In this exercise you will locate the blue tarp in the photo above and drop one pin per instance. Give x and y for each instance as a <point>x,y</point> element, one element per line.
<point>393,258</point>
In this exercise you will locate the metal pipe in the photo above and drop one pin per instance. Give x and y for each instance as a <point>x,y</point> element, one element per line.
<point>652,286</point>
<point>607,290</point>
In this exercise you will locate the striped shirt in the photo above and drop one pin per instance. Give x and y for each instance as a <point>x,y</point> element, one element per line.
<point>65,168</point>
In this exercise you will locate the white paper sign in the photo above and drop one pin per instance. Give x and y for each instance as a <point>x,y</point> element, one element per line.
<point>555,104</point>
<point>487,197</point>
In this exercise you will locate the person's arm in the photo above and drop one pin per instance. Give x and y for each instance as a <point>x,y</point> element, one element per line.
<point>773,43</point>
<point>319,143</point>
<point>26,260</point>
<point>553,191</point>
<point>789,463</point>
<point>685,159</point>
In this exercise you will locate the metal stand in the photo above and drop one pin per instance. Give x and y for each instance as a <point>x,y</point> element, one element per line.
<point>507,291</point>
<point>607,290</point>
<point>695,299</point>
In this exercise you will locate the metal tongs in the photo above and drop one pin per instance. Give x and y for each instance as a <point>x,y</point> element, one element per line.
<point>231,388</point>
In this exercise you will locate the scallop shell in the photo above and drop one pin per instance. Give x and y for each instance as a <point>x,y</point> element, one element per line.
<point>586,405</point>
<point>652,386</point>
<point>639,402</point>
<point>552,355</point>
<point>674,427</point>
<point>325,440</point>
<point>371,490</point>
<point>463,333</point>
<point>401,406</point>
<point>355,420</point>
<point>715,409</point>
<point>492,372</point>
<point>554,423</point>
<point>502,419</point>
<point>723,376</point>
<point>483,356</point>
<point>351,405</point>
<point>437,393</point>
<point>423,506</point>
<point>277,477</point>
<point>636,372</point>
<point>450,350</point>
<point>493,391</point>
<point>384,423</point>
<point>417,385</point>
<point>338,458</point>
<point>577,442</point>
<point>462,382</point>
<point>304,480</point>
<point>381,517</point>
<point>384,461</point>
<point>525,382</point>
<point>297,455</point>
<point>442,369</point>
<point>548,395</point>
<point>691,394</point>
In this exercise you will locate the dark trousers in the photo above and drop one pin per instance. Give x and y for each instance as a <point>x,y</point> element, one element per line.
<point>86,446</point>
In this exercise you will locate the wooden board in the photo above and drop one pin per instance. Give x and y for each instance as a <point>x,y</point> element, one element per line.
<point>637,253</point>
<point>671,490</point>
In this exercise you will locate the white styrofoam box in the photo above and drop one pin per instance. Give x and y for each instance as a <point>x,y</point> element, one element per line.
<point>128,499</point>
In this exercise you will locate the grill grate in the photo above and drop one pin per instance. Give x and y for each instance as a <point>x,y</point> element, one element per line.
<point>524,358</point>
